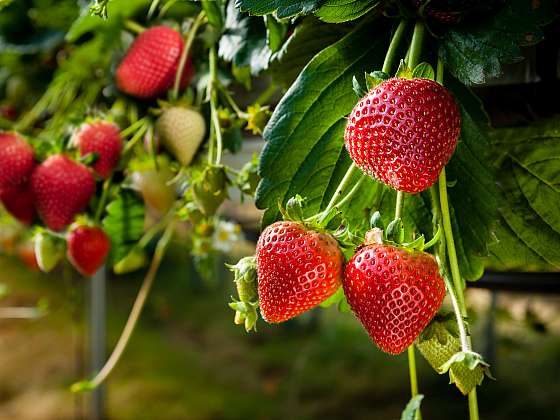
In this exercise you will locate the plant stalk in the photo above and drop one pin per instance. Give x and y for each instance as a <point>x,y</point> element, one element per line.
<point>393,46</point>
<point>416,44</point>
<point>134,314</point>
<point>184,55</point>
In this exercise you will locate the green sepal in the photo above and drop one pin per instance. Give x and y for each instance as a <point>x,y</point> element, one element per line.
<point>245,314</point>
<point>395,231</point>
<point>89,159</point>
<point>339,299</point>
<point>376,222</point>
<point>409,412</point>
<point>375,78</point>
<point>358,88</point>
<point>294,209</point>
<point>404,71</point>
<point>248,178</point>
<point>469,359</point>
<point>423,71</point>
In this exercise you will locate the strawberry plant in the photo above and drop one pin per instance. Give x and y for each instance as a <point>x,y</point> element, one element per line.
<point>119,117</point>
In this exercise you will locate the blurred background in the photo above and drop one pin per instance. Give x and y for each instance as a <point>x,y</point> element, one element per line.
<point>187,360</point>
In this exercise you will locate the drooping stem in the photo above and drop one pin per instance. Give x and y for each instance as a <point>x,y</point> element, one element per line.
<point>399,204</point>
<point>351,192</point>
<point>103,198</point>
<point>416,44</point>
<point>184,55</point>
<point>393,46</point>
<point>413,379</point>
<point>132,318</point>
<point>450,242</point>
<point>345,179</point>
<point>134,26</point>
<point>266,94</point>
<point>214,104</point>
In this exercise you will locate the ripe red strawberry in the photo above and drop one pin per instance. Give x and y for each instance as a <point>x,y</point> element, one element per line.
<point>149,67</point>
<point>297,269</point>
<point>394,293</point>
<point>104,139</point>
<point>403,132</point>
<point>87,248</point>
<point>16,160</point>
<point>61,188</point>
<point>18,201</point>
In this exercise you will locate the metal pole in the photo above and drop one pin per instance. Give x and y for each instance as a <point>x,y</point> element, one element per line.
<point>98,332</point>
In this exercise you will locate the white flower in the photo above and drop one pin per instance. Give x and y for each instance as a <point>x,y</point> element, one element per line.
<point>226,235</point>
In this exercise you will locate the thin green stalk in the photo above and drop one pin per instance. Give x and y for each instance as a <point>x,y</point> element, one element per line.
<point>186,49</point>
<point>134,26</point>
<point>266,94</point>
<point>103,199</point>
<point>416,44</point>
<point>393,46</point>
<point>351,192</point>
<point>229,99</point>
<point>399,203</point>
<point>340,188</point>
<point>214,106</point>
<point>132,318</point>
<point>413,379</point>
<point>137,136</point>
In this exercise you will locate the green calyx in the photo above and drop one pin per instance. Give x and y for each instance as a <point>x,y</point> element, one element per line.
<point>210,189</point>
<point>440,345</point>
<point>245,278</point>
<point>394,235</point>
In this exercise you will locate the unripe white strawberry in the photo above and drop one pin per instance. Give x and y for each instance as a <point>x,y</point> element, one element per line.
<point>181,131</point>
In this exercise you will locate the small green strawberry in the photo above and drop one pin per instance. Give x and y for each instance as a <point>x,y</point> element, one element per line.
<point>181,131</point>
<point>133,261</point>
<point>245,278</point>
<point>210,189</point>
<point>49,251</point>
<point>439,343</point>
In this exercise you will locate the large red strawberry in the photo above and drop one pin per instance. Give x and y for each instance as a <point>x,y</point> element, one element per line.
<point>394,293</point>
<point>149,67</point>
<point>403,132</point>
<point>61,188</point>
<point>18,201</point>
<point>16,160</point>
<point>104,139</point>
<point>87,248</point>
<point>297,268</point>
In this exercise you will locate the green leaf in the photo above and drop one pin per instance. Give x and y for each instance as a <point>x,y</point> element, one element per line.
<point>275,33</point>
<point>337,11</point>
<point>412,407</point>
<point>474,197</point>
<point>124,223</point>
<point>308,39</point>
<point>530,182</point>
<point>117,11</point>
<point>359,89</point>
<point>475,52</point>
<point>244,40</point>
<point>423,71</point>
<point>283,8</point>
<point>305,151</point>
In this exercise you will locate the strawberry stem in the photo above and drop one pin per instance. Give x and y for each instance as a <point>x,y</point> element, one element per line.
<point>391,51</point>
<point>453,261</point>
<point>213,104</point>
<point>103,199</point>
<point>413,378</point>
<point>134,26</point>
<point>340,188</point>
<point>416,44</point>
<point>399,203</point>
<point>133,317</point>
<point>186,49</point>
